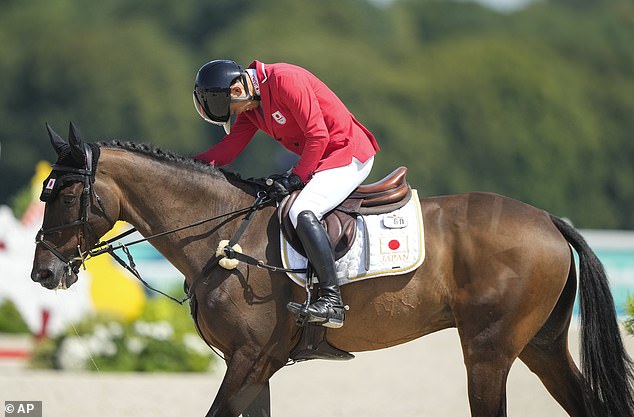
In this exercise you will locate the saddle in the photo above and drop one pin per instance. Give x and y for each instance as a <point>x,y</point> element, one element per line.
<point>388,194</point>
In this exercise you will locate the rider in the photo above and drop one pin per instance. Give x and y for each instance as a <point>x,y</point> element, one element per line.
<point>306,117</point>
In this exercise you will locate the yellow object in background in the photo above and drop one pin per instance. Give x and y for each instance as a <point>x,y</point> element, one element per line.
<point>112,289</point>
<point>42,170</point>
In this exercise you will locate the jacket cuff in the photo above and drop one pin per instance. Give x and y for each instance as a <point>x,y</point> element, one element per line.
<point>305,177</point>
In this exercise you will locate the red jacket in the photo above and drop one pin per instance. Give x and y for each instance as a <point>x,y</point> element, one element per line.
<point>304,116</point>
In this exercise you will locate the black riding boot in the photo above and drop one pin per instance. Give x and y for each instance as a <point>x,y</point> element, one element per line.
<point>328,309</point>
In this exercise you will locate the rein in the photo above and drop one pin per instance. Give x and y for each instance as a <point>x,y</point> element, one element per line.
<point>107,246</point>
<point>261,200</point>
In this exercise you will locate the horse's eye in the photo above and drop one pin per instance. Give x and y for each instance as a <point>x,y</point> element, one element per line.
<point>68,199</point>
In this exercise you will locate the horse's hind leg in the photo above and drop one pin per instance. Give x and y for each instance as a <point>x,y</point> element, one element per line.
<point>548,357</point>
<point>496,320</point>
<point>559,374</point>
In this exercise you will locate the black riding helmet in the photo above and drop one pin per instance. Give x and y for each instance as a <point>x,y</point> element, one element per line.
<point>212,91</point>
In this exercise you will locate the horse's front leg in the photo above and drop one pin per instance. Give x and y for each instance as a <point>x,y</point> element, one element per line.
<point>261,406</point>
<point>244,315</point>
<point>245,387</point>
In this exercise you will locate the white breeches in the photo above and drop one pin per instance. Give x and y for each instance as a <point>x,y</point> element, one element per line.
<point>328,188</point>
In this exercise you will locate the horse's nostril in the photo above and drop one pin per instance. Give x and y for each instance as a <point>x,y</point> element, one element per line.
<point>42,274</point>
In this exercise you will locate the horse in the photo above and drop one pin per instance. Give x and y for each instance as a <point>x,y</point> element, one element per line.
<point>500,271</point>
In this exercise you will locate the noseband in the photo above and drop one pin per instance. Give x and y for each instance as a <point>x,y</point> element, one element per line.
<point>87,178</point>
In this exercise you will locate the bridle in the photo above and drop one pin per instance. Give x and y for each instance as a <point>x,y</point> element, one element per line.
<point>87,176</point>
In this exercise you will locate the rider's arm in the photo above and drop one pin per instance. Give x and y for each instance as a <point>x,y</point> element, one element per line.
<point>228,149</point>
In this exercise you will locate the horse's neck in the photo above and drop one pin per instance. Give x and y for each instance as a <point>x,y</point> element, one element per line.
<point>156,196</point>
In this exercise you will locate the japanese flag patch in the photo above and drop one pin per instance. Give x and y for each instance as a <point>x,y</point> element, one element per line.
<point>279,117</point>
<point>50,184</point>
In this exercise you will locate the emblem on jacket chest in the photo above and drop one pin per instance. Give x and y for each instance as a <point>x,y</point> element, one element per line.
<point>279,117</point>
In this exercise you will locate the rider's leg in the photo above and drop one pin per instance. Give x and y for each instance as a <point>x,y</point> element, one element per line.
<point>325,191</point>
<point>328,309</point>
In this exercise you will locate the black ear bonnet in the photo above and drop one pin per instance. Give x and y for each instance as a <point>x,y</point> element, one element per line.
<point>72,164</point>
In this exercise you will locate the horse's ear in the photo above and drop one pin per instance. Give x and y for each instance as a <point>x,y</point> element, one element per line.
<point>74,137</point>
<point>76,147</point>
<point>57,142</point>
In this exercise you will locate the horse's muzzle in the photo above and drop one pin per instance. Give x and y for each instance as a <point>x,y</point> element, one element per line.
<point>59,278</point>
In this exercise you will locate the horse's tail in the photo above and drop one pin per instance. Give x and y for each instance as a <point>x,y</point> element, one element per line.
<point>606,366</point>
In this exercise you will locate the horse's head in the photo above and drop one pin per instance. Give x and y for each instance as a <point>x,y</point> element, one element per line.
<point>75,216</point>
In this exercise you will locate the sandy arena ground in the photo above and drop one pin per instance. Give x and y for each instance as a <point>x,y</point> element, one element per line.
<point>422,378</point>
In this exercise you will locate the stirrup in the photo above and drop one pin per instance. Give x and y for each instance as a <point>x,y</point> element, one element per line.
<point>334,323</point>
<point>304,317</point>
<point>300,311</point>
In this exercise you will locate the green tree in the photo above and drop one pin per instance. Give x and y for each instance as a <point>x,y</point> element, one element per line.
<point>128,83</point>
<point>535,104</point>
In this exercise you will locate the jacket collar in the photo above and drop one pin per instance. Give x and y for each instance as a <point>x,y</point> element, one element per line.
<point>265,93</point>
<point>260,69</point>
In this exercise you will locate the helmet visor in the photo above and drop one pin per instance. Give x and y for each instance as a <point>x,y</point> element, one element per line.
<point>202,112</point>
<point>214,116</point>
<point>214,104</point>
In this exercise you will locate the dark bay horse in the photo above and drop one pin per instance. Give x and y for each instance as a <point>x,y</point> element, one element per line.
<point>500,271</point>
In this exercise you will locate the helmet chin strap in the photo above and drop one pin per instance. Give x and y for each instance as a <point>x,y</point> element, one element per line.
<point>227,126</point>
<point>248,97</point>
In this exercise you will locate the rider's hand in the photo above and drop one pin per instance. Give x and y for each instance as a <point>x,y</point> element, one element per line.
<point>281,185</point>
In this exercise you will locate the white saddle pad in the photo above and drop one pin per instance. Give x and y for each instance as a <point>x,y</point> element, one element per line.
<point>396,245</point>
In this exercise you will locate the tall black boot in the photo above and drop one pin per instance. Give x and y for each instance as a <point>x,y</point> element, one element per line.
<point>328,310</point>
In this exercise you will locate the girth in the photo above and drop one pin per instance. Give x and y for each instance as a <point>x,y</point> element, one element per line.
<point>388,194</point>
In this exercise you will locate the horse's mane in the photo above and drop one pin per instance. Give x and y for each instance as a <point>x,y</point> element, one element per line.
<point>186,162</point>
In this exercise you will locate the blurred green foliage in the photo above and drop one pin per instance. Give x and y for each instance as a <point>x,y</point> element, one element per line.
<point>537,104</point>
<point>163,339</point>
<point>629,319</point>
<point>10,319</point>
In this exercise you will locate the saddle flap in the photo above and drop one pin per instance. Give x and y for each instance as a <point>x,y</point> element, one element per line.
<point>340,228</point>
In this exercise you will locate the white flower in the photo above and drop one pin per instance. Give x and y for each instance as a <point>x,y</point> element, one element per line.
<point>98,345</point>
<point>160,330</point>
<point>108,349</point>
<point>194,343</point>
<point>101,332</point>
<point>163,330</point>
<point>135,345</point>
<point>73,354</point>
<point>142,328</point>
<point>115,328</point>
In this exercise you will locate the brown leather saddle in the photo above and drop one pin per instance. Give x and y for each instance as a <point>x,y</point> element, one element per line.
<point>388,194</point>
